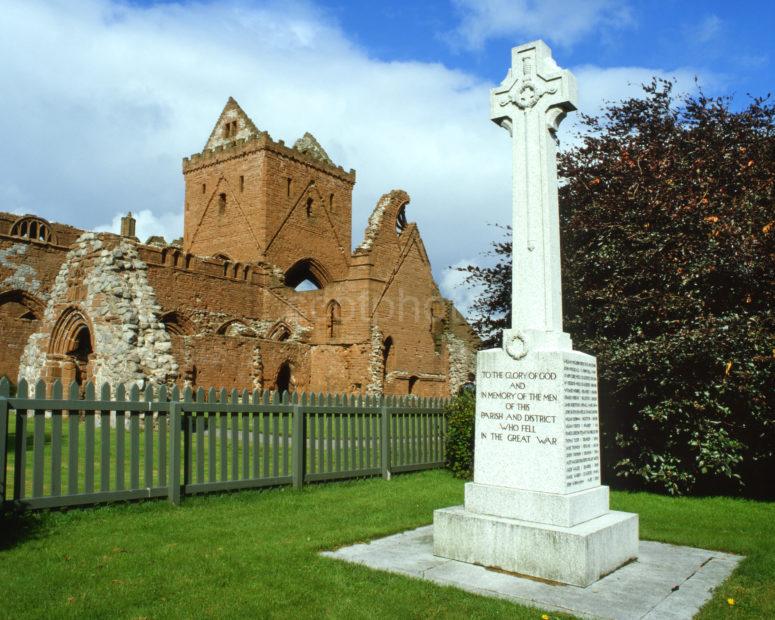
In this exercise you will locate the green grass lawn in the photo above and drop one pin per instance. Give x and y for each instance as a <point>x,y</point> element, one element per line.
<point>255,554</point>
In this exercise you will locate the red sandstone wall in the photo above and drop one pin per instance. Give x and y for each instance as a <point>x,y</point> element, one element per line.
<point>404,312</point>
<point>339,369</point>
<point>192,292</point>
<point>239,230</point>
<point>325,232</point>
<point>218,361</point>
<point>24,279</point>
<point>266,186</point>
<point>390,286</point>
<point>15,333</point>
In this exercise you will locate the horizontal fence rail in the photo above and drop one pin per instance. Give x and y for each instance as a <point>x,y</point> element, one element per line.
<point>132,444</point>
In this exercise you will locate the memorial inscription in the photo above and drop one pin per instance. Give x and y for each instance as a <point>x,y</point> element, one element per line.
<point>581,423</point>
<point>518,413</point>
<point>540,417</point>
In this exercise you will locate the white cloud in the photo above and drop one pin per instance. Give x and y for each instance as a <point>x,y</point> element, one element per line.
<point>453,284</point>
<point>106,99</point>
<point>707,30</point>
<point>560,21</point>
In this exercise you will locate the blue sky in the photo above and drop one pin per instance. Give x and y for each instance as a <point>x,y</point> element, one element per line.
<point>101,99</point>
<point>731,40</point>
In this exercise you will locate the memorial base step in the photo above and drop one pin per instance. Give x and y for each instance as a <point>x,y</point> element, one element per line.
<point>578,555</point>
<point>548,508</point>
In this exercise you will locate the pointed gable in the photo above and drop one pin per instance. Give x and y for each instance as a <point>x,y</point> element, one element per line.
<point>308,145</point>
<point>232,125</point>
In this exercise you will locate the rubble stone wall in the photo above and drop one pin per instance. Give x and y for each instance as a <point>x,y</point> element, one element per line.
<point>106,284</point>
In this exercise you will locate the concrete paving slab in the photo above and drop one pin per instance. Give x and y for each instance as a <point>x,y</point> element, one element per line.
<point>666,582</point>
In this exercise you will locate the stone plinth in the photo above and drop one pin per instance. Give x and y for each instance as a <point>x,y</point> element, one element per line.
<point>578,555</point>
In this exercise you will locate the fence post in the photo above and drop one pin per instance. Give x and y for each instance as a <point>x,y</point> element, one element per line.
<point>384,435</point>
<point>20,455</point>
<point>174,483</point>
<point>4,393</point>
<point>299,441</point>
<point>186,423</point>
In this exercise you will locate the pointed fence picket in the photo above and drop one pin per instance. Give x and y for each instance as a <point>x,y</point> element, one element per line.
<point>132,443</point>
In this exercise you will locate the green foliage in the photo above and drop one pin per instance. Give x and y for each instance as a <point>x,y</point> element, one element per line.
<point>667,228</point>
<point>491,310</point>
<point>460,434</point>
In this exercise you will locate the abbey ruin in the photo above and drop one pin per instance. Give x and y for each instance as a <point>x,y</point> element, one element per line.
<point>262,291</point>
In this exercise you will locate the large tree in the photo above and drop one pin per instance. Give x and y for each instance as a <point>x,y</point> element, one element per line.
<point>667,216</point>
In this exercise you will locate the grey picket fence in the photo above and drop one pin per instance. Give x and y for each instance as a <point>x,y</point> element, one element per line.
<point>134,444</point>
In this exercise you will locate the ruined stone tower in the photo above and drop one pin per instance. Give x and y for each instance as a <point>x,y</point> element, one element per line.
<point>249,198</point>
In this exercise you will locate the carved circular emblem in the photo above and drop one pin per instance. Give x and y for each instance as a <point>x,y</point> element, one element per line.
<point>527,95</point>
<point>516,346</point>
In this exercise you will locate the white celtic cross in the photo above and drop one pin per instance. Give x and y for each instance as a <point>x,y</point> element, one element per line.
<point>530,103</point>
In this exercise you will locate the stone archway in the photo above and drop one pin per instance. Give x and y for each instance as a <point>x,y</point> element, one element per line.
<point>307,274</point>
<point>70,349</point>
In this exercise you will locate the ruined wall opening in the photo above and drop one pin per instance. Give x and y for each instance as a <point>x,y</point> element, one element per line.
<point>401,220</point>
<point>388,358</point>
<point>280,332</point>
<point>236,327</point>
<point>411,384</point>
<point>177,325</point>
<point>230,129</point>
<point>31,227</point>
<point>79,356</point>
<point>19,304</point>
<point>306,274</point>
<point>284,381</point>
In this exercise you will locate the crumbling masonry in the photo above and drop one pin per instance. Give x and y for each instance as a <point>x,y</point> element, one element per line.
<point>262,291</point>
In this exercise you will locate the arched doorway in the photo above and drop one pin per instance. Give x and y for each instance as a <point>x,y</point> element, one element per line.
<point>284,381</point>
<point>79,356</point>
<point>70,348</point>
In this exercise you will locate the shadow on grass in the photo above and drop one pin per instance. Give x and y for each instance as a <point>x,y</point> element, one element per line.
<point>17,525</point>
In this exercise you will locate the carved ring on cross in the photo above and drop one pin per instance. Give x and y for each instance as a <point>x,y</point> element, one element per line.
<point>516,346</point>
<point>527,95</point>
